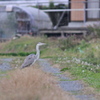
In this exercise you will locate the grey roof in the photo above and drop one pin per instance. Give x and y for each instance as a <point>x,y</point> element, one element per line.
<point>34,12</point>
<point>38,17</point>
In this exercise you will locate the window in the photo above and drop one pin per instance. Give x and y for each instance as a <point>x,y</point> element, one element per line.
<point>95,13</point>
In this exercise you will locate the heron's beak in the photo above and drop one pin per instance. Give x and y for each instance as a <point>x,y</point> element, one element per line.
<point>43,43</point>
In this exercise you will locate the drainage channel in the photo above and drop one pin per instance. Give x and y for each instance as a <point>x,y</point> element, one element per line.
<point>67,84</point>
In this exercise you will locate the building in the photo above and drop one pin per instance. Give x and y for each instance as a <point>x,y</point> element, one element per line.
<point>84,12</point>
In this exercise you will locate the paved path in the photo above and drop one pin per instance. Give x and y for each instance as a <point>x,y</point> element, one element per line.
<point>5,64</point>
<point>67,84</point>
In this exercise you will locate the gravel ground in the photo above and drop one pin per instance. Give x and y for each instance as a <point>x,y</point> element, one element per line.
<point>4,64</point>
<point>67,84</point>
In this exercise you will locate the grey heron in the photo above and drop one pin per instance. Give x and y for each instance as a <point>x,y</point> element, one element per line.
<point>32,58</point>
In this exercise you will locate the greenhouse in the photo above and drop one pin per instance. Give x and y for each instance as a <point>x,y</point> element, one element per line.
<point>22,20</point>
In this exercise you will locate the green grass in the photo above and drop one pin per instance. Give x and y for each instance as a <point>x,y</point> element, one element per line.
<point>24,44</point>
<point>3,74</point>
<point>88,76</point>
<point>62,52</point>
<point>87,64</point>
<point>17,54</point>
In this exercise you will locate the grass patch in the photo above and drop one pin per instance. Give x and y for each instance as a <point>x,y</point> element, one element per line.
<point>88,76</point>
<point>3,74</point>
<point>64,69</point>
<point>69,53</point>
<point>31,84</point>
<point>17,54</point>
<point>24,44</point>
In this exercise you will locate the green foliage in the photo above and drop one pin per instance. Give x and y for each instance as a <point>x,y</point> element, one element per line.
<point>51,5</point>
<point>16,54</point>
<point>88,73</point>
<point>24,44</point>
<point>84,44</point>
<point>82,60</point>
<point>64,69</point>
<point>88,76</point>
<point>95,30</point>
<point>61,6</point>
<point>67,43</point>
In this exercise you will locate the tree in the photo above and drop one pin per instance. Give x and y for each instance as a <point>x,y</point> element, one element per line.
<point>51,5</point>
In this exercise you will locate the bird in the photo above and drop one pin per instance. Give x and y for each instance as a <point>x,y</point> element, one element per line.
<point>32,58</point>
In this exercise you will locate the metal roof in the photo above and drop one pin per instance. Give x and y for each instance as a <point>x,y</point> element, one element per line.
<point>34,12</point>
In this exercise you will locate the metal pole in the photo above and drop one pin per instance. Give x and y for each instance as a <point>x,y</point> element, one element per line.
<point>38,11</point>
<point>55,27</point>
<point>84,12</point>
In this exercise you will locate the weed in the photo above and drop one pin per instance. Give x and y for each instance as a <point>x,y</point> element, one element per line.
<point>67,43</point>
<point>64,69</point>
<point>31,84</point>
<point>95,29</point>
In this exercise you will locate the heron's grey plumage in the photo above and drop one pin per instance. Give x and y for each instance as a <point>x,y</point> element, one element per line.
<point>30,59</point>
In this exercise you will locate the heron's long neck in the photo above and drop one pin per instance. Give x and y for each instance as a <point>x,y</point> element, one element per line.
<point>37,52</point>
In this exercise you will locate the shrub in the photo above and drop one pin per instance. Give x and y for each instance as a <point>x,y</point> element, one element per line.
<point>95,29</point>
<point>67,43</point>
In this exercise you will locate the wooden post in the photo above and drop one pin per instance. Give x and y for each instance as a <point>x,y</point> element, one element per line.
<point>62,34</point>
